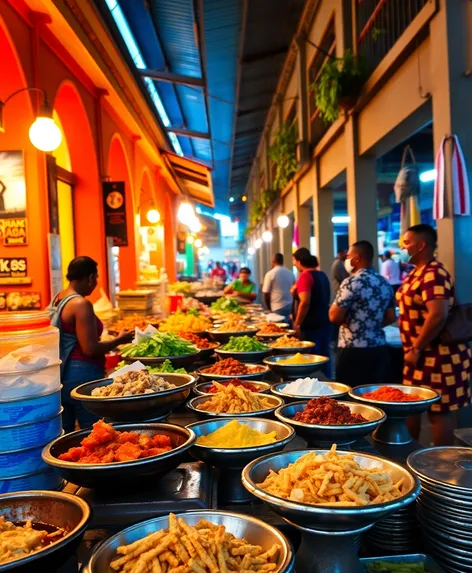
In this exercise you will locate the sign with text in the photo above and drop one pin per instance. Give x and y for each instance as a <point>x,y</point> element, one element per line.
<point>14,232</point>
<point>14,271</point>
<point>114,207</point>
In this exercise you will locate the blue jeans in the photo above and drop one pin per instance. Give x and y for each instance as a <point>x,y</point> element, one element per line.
<point>322,339</point>
<point>76,373</point>
<point>285,311</point>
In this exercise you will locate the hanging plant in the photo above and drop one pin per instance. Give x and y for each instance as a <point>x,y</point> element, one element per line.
<point>255,214</point>
<point>268,197</point>
<point>339,85</point>
<point>283,152</point>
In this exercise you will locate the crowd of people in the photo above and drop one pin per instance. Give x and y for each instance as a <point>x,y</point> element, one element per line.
<point>355,304</point>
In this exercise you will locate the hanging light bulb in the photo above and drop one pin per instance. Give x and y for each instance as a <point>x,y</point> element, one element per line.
<point>153,216</point>
<point>267,236</point>
<point>186,213</point>
<point>251,251</point>
<point>258,243</point>
<point>283,221</point>
<point>198,243</point>
<point>44,133</point>
<point>190,240</point>
<point>195,226</point>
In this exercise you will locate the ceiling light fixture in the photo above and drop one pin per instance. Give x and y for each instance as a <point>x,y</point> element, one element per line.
<point>258,243</point>
<point>153,216</point>
<point>244,198</point>
<point>190,240</point>
<point>198,243</point>
<point>283,221</point>
<point>186,213</point>
<point>428,176</point>
<point>231,199</point>
<point>267,237</point>
<point>341,219</point>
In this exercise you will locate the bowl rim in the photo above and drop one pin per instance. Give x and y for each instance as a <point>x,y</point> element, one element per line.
<point>248,449</point>
<point>254,352</point>
<point>205,513</point>
<point>287,332</point>
<point>305,344</point>
<point>76,395</point>
<point>158,426</point>
<point>190,406</point>
<point>301,397</point>
<point>275,359</point>
<point>265,369</point>
<point>44,494</point>
<point>331,427</point>
<point>309,508</point>
<point>234,333</point>
<point>160,358</point>
<point>200,392</point>
<point>360,398</point>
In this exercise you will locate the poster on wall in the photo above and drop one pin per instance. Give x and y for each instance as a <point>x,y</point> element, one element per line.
<point>114,207</point>
<point>12,185</point>
<point>14,271</point>
<point>16,300</point>
<point>55,264</point>
<point>14,232</point>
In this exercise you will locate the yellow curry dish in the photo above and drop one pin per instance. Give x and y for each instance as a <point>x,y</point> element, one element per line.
<point>301,359</point>
<point>236,435</point>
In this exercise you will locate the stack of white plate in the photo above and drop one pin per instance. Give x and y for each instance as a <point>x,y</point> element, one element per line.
<point>445,504</point>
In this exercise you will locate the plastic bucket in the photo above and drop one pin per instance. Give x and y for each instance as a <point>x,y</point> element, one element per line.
<point>30,435</point>
<point>30,409</point>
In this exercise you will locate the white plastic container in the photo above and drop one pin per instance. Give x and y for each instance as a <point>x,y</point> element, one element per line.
<point>23,329</point>
<point>15,385</point>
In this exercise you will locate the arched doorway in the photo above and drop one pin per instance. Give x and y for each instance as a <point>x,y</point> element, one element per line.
<point>118,170</point>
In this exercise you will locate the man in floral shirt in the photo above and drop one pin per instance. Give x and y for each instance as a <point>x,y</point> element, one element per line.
<point>364,304</point>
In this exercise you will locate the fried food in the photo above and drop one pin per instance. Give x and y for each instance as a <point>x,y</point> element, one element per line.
<point>231,367</point>
<point>334,480</point>
<point>234,326</point>
<point>300,359</point>
<point>180,321</point>
<point>105,445</point>
<point>235,382</point>
<point>287,342</point>
<point>328,412</point>
<point>234,400</point>
<point>200,342</point>
<point>237,435</point>
<point>18,541</point>
<point>132,384</point>
<point>131,322</point>
<point>271,328</point>
<point>184,548</point>
<point>389,394</point>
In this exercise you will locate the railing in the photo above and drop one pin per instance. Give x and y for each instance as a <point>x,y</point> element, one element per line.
<point>380,23</point>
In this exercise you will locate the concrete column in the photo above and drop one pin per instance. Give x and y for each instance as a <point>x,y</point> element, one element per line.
<point>452,94</point>
<point>285,244</point>
<point>302,103</point>
<point>361,186</point>
<point>323,209</point>
<point>302,217</point>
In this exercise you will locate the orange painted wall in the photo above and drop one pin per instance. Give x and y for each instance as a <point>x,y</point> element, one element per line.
<point>75,100</point>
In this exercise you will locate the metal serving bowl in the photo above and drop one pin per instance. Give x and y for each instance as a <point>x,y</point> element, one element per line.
<point>394,430</point>
<point>116,474</point>
<point>329,518</point>
<point>305,348</point>
<point>224,337</point>
<point>253,530</point>
<point>294,370</point>
<point>51,508</point>
<point>181,361</point>
<point>341,391</point>
<point>275,402</point>
<point>135,408</point>
<point>230,461</point>
<point>323,435</point>
<point>286,332</point>
<point>205,353</point>
<point>258,375</point>
<point>202,389</point>
<point>256,356</point>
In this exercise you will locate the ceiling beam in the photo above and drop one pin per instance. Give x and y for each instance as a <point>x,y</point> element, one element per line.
<point>169,77</point>
<point>187,132</point>
<point>256,57</point>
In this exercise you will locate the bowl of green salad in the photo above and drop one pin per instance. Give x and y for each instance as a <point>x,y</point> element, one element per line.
<point>158,348</point>
<point>244,349</point>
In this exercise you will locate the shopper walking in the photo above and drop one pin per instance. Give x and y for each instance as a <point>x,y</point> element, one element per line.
<point>311,321</point>
<point>81,352</point>
<point>390,270</point>
<point>424,299</point>
<point>276,287</point>
<point>363,305</point>
<point>338,271</point>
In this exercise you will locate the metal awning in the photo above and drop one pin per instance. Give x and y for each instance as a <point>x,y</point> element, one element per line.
<point>193,177</point>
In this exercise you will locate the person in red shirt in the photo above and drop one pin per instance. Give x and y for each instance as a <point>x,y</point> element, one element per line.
<point>218,272</point>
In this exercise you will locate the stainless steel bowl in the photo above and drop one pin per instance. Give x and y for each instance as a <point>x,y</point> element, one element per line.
<point>324,435</point>
<point>394,431</point>
<point>181,361</point>
<point>341,391</point>
<point>135,408</point>
<point>193,404</point>
<point>305,348</point>
<point>327,518</point>
<point>287,332</point>
<point>294,370</point>
<point>116,474</point>
<point>255,531</point>
<point>225,336</point>
<point>51,508</point>
<point>256,356</point>
<point>257,375</point>
<point>202,389</point>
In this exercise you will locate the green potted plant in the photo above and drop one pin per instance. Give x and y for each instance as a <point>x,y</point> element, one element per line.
<point>283,152</point>
<point>339,85</point>
<point>268,197</point>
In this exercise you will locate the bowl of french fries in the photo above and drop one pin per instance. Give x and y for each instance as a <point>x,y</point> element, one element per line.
<point>326,434</point>
<point>329,489</point>
<point>195,542</point>
<point>234,401</point>
<point>203,389</point>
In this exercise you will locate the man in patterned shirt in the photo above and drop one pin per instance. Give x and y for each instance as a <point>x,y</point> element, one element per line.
<point>364,304</point>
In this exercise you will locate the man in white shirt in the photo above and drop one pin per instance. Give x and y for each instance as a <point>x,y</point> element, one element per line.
<point>390,270</point>
<point>276,287</point>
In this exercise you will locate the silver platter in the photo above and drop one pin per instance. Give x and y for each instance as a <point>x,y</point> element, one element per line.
<point>448,466</point>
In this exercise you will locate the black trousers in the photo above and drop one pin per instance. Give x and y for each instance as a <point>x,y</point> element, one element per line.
<point>361,366</point>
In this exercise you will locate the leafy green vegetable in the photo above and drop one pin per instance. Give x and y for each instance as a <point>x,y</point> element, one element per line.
<point>224,304</point>
<point>159,344</point>
<point>167,368</point>
<point>244,344</point>
<point>387,567</point>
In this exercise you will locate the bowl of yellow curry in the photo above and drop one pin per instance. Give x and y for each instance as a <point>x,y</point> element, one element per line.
<point>295,365</point>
